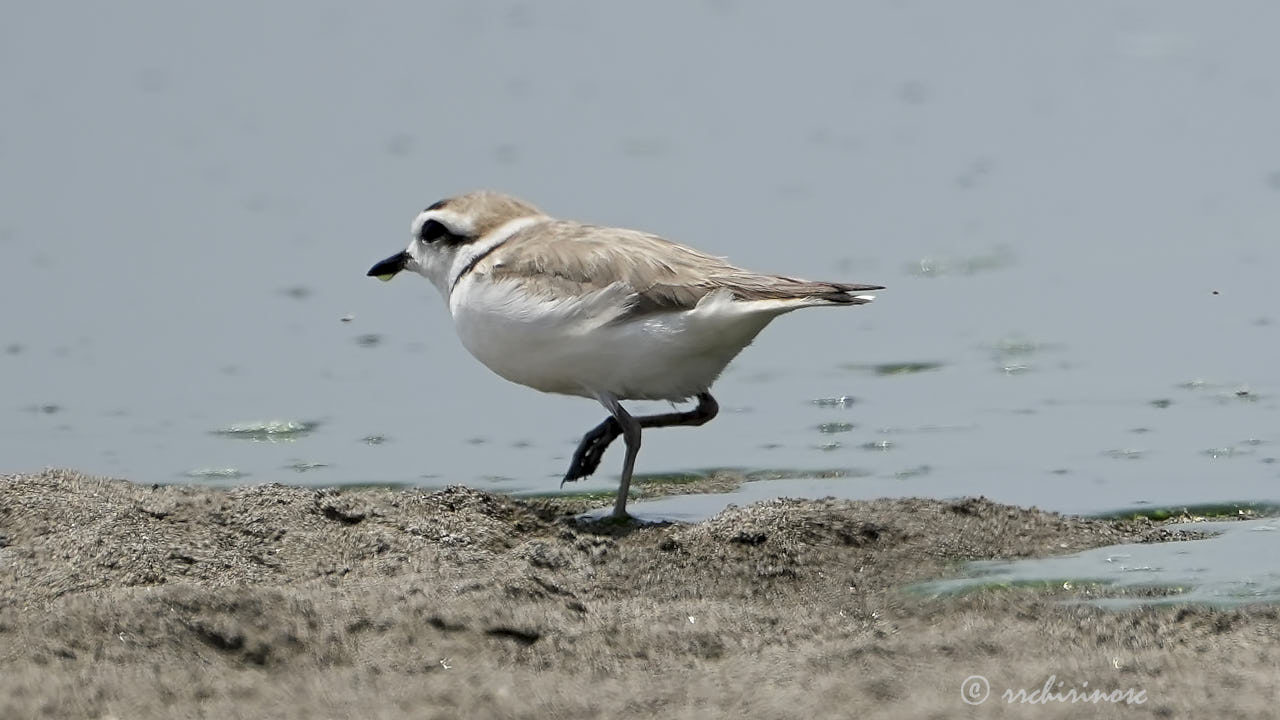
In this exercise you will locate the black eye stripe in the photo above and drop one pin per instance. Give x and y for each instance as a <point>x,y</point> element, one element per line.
<point>434,230</point>
<point>431,231</point>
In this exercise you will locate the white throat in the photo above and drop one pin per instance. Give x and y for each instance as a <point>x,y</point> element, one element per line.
<point>443,266</point>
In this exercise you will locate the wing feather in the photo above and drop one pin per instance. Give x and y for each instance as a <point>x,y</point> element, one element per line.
<point>562,258</point>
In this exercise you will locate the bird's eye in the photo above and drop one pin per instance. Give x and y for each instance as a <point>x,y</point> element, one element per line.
<point>433,230</point>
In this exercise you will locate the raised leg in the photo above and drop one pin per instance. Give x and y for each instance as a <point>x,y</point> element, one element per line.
<point>590,451</point>
<point>586,459</point>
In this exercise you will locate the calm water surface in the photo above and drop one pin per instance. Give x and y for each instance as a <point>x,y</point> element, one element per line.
<point>1076,215</point>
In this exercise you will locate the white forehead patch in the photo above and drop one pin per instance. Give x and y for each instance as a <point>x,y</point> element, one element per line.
<point>457,223</point>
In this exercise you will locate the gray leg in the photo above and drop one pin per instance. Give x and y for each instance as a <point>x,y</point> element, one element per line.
<point>586,459</point>
<point>631,436</point>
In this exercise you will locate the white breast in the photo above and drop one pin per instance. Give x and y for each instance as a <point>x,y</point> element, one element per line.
<point>573,346</point>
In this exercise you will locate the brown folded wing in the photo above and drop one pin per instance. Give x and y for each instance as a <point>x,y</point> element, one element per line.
<point>560,259</point>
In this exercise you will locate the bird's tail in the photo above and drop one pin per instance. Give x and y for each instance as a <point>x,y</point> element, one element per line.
<point>785,288</point>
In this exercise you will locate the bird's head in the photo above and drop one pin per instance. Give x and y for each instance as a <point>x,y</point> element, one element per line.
<point>450,232</point>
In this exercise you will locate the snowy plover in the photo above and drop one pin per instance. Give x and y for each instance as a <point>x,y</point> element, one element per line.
<point>599,312</point>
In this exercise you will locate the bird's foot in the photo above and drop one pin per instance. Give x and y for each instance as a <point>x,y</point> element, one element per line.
<point>586,459</point>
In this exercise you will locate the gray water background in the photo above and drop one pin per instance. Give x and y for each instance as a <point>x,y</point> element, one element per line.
<point>1075,208</point>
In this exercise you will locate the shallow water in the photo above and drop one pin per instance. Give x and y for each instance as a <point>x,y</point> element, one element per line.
<point>1221,570</point>
<point>1077,226</point>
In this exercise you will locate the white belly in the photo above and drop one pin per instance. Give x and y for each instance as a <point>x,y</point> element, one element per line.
<point>564,347</point>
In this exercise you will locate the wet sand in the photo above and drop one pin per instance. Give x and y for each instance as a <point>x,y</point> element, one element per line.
<point>134,601</point>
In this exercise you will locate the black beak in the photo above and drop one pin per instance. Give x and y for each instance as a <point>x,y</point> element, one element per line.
<point>388,268</point>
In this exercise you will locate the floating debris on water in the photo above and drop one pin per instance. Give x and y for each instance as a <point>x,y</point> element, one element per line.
<point>796,474</point>
<point>45,409</point>
<point>916,471</point>
<point>1222,392</point>
<point>216,474</point>
<point>895,368</point>
<point>843,401</point>
<point>1125,454</point>
<point>306,466</point>
<point>369,340</point>
<point>828,446</point>
<point>1226,452</point>
<point>831,428</point>
<point>879,445</point>
<point>1162,403</point>
<point>347,318</point>
<point>373,439</point>
<point>268,431</point>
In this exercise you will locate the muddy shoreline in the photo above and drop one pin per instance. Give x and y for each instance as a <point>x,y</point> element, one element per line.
<point>127,600</point>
